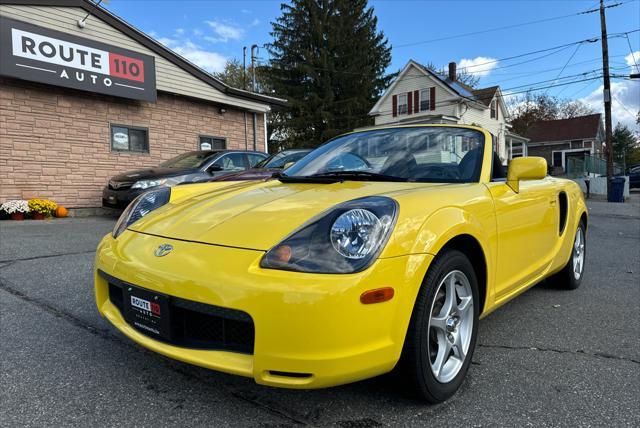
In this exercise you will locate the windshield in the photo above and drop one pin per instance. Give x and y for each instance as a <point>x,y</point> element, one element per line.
<point>188,160</point>
<point>279,160</point>
<point>425,154</point>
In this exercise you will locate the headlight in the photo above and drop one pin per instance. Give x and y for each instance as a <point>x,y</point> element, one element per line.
<point>140,207</point>
<point>345,239</point>
<point>145,184</point>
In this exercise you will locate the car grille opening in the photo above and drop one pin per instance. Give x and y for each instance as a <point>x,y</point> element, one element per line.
<point>122,185</point>
<point>289,374</point>
<point>198,325</point>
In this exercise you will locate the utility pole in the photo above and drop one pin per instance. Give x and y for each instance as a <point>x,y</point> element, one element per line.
<point>607,98</point>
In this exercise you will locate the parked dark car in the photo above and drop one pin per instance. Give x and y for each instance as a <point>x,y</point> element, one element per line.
<point>190,167</point>
<point>265,168</point>
<point>634,177</point>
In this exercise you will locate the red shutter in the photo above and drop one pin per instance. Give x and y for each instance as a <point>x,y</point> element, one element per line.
<point>433,98</point>
<point>409,103</point>
<point>416,101</point>
<point>394,103</point>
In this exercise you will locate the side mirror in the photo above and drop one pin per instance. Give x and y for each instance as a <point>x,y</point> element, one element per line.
<point>287,165</point>
<point>215,168</point>
<point>526,168</point>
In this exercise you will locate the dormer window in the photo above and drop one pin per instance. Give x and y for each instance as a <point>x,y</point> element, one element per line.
<point>402,104</point>
<point>494,110</point>
<point>425,100</point>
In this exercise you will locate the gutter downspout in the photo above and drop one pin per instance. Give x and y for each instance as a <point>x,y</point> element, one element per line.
<point>255,137</point>
<point>246,142</point>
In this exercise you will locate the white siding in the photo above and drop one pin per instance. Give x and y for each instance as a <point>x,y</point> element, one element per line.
<point>169,77</point>
<point>413,80</point>
<point>482,117</point>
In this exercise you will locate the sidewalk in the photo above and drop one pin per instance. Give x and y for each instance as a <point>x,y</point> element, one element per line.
<point>630,208</point>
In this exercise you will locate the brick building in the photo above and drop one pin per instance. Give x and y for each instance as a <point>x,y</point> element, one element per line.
<point>81,101</point>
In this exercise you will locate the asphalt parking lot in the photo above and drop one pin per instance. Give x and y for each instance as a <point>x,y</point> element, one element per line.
<point>548,358</point>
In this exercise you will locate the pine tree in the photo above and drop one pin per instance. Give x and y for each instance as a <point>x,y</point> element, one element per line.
<point>328,60</point>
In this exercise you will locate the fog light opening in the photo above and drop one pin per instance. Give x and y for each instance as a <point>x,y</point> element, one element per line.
<point>378,295</point>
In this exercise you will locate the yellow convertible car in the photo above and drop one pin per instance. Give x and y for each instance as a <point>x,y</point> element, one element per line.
<point>381,249</point>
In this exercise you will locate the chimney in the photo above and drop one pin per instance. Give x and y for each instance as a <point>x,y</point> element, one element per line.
<point>452,71</point>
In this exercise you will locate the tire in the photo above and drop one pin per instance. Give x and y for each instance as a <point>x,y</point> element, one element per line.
<point>568,278</point>
<point>431,330</point>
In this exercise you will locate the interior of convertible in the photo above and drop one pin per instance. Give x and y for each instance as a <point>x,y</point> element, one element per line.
<point>424,154</point>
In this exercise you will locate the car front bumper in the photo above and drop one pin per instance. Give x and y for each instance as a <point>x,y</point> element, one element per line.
<point>311,330</point>
<point>119,198</point>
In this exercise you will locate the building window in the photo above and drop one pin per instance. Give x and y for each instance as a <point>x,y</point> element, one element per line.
<point>493,109</point>
<point>425,99</point>
<point>211,143</point>
<point>402,104</point>
<point>129,139</point>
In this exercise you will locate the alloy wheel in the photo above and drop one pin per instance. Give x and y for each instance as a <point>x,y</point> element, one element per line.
<point>450,326</point>
<point>578,253</point>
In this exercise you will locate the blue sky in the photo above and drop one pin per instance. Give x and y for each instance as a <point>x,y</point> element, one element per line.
<point>209,32</point>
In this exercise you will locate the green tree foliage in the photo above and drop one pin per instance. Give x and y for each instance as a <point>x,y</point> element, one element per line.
<point>626,147</point>
<point>532,108</point>
<point>328,60</point>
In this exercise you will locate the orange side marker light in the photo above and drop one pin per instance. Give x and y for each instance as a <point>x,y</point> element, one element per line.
<point>378,295</point>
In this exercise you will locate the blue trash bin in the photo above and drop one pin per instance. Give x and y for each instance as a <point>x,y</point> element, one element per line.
<point>617,190</point>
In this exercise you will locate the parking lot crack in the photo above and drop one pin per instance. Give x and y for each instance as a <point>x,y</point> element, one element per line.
<point>45,256</point>
<point>8,287</point>
<point>561,351</point>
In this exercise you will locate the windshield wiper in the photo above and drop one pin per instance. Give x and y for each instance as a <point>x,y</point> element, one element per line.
<point>358,176</point>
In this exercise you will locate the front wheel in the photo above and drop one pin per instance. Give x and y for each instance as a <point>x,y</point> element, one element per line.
<point>570,276</point>
<point>443,329</point>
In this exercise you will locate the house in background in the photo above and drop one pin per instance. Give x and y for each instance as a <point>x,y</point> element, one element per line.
<point>418,95</point>
<point>569,144</point>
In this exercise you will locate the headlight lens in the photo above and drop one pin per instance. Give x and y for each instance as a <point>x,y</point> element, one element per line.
<point>140,207</point>
<point>145,184</point>
<point>345,239</point>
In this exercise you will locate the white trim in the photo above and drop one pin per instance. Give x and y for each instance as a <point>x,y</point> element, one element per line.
<point>266,143</point>
<point>586,149</point>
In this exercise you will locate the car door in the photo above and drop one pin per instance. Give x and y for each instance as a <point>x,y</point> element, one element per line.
<point>228,163</point>
<point>254,158</point>
<point>527,228</point>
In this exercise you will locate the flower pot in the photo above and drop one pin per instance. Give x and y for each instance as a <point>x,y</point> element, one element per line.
<point>39,216</point>
<point>17,216</point>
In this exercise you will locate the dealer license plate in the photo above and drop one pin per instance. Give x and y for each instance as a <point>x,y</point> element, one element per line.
<point>147,311</point>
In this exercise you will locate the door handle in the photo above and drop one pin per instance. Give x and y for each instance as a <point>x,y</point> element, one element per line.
<point>552,202</point>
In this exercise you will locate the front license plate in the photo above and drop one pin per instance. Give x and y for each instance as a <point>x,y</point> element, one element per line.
<point>147,311</point>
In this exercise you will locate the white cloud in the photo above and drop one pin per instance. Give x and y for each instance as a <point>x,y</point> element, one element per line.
<point>255,22</point>
<point>480,66</point>
<point>224,32</point>
<point>207,60</point>
<point>179,31</point>
<point>625,97</point>
<point>245,11</point>
<point>633,59</point>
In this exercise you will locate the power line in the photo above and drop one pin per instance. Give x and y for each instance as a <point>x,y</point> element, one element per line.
<point>505,27</point>
<point>487,98</point>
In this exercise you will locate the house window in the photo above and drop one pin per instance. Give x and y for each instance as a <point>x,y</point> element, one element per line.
<point>557,159</point>
<point>402,104</point>
<point>129,139</point>
<point>493,109</point>
<point>425,99</point>
<point>211,143</point>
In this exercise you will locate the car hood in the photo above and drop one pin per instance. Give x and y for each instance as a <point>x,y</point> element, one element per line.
<point>253,215</point>
<point>151,173</point>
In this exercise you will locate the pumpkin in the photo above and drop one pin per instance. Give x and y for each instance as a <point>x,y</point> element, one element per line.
<point>61,211</point>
